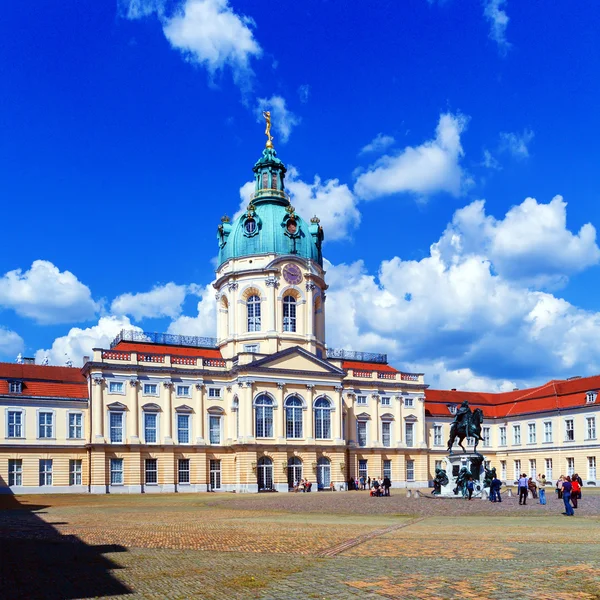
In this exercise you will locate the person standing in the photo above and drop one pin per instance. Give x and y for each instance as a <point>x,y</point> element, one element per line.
<point>559,486</point>
<point>566,494</point>
<point>387,484</point>
<point>523,489</point>
<point>470,487</point>
<point>495,490</point>
<point>541,486</point>
<point>575,491</point>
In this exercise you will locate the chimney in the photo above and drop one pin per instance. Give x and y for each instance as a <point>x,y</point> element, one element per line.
<point>453,390</point>
<point>86,359</point>
<point>515,389</point>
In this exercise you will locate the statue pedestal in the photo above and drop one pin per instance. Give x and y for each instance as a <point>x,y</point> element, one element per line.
<point>452,464</point>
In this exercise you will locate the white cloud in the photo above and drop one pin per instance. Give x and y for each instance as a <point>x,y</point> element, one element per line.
<point>161,301</point>
<point>473,325</point>
<point>532,243</point>
<point>205,323</point>
<point>516,144</point>
<point>283,119</point>
<point>498,20</point>
<point>79,342</point>
<point>432,167</point>
<point>379,143</point>
<point>333,202</point>
<point>11,343</point>
<point>206,32</point>
<point>47,295</point>
<point>304,93</point>
<point>490,162</point>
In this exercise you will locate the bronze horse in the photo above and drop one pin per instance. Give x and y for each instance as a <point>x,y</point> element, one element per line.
<point>470,428</point>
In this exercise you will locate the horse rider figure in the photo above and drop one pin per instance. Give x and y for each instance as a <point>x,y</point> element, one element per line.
<point>462,417</point>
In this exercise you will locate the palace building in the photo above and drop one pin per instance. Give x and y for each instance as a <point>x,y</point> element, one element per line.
<point>266,402</point>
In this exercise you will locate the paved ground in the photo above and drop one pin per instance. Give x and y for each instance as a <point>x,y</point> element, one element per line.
<point>282,546</point>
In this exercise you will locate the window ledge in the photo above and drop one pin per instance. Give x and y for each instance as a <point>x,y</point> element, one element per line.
<point>547,442</point>
<point>590,439</point>
<point>52,439</point>
<point>151,484</point>
<point>116,485</point>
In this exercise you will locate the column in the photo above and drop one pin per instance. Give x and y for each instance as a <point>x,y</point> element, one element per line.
<point>309,434</point>
<point>279,432</point>
<point>246,412</point>
<point>399,434</point>
<point>375,423</point>
<point>270,318</point>
<point>134,424</point>
<point>309,321</point>
<point>423,442</point>
<point>337,415</point>
<point>98,408</point>
<point>168,413</point>
<point>199,417</point>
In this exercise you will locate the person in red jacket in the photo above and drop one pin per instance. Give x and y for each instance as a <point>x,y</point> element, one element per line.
<point>575,491</point>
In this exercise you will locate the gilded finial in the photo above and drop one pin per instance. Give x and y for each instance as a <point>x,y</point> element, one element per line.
<point>315,219</point>
<point>224,219</point>
<point>267,116</point>
<point>290,209</point>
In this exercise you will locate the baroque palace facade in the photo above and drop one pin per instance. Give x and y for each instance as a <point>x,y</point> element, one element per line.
<point>266,403</point>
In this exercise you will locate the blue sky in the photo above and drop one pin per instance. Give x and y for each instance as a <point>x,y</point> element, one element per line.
<point>431,138</point>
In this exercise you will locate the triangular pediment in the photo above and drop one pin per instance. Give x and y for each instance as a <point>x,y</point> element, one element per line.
<point>116,406</point>
<point>295,359</point>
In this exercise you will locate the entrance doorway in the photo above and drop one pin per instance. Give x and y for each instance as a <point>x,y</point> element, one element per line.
<point>323,473</point>
<point>264,473</point>
<point>294,472</point>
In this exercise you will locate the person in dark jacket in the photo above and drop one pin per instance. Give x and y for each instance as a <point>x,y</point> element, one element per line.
<point>566,494</point>
<point>387,484</point>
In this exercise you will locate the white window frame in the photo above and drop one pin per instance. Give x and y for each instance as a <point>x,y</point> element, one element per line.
<point>295,432</point>
<point>502,436</point>
<point>322,415</point>
<point>215,474</point>
<point>517,467</point>
<point>532,468</point>
<point>15,387</point>
<point>289,313</point>
<point>215,393</point>
<point>409,425</point>
<point>389,423</point>
<point>570,465</point>
<point>548,469</point>
<point>210,429</point>
<point>15,474</point>
<point>548,432</point>
<point>590,397</point>
<point>147,413</point>
<point>188,418</point>
<point>81,426</point>
<point>362,424</point>
<point>361,400</point>
<point>180,471</point>
<point>386,467</point>
<point>148,471</point>
<point>503,470</point>
<point>75,471</point>
<point>110,428</point>
<point>120,392</point>
<point>410,470</point>
<point>266,414</point>
<point>116,473</point>
<point>486,433</point>
<point>531,433</point>
<point>46,411</point>
<point>386,401</point>
<point>516,435</point>
<point>148,384</point>
<point>252,348</point>
<point>570,431</point>
<point>20,411</point>
<point>253,321</point>
<point>591,468</point>
<point>409,402</point>
<point>590,428</point>
<point>438,435</point>
<point>46,474</point>
<point>181,394</point>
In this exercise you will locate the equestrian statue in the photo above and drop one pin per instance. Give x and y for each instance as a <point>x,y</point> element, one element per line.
<point>466,424</point>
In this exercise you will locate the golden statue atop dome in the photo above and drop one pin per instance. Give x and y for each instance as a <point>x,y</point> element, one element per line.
<point>267,116</point>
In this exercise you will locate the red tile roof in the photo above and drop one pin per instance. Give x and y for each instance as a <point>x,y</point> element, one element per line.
<point>554,395</point>
<point>46,381</point>
<point>368,366</point>
<point>168,349</point>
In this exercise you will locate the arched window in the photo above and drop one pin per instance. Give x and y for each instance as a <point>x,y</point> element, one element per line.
<point>289,313</point>
<point>265,180</point>
<point>293,418</point>
<point>323,473</point>
<point>263,408</point>
<point>253,304</point>
<point>224,317</point>
<point>322,419</point>
<point>294,472</point>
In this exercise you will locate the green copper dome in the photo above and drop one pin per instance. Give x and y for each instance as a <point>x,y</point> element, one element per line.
<point>270,224</point>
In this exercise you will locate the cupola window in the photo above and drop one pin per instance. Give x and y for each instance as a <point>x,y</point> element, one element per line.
<point>292,227</point>
<point>289,314</point>
<point>274,180</point>
<point>265,180</point>
<point>253,305</point>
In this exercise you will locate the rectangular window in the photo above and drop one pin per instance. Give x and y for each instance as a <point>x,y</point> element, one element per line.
<point>150,389</point>
<point>214,392</point>
<point>46,425</point>
<point>569,430</point>
<point>503,437</point>
<point>386,434</point>
<point>591,428</point>
<point>183,429</point>
<point>363,468</point>
<point>75,426</point>
<point>116,471</point>
<point>516,434</point>
<point>548,464</point>
<point>591,468</point>
<point>437,435</point>
<point>15,387</point>
<point>409,434</point>
<point>75,472</point>
<point>15,471</point>
<point>387,469</point>
<point>183,470</point>
<point>45,471</point>
<point>532,468</point>
<point>151,470</point>
<point>116,427</point>
<point>503,470</point>
<point>590,397</point>
<point>362,400</point>
<point>15,424</point>
<point>570,466</point>
<point>486,436</point>
<point>252,348</point>
<point>408,402</point>
<point>215,475</point>
<point>214,429</point>
<point>184,391</point>
<point>150,427</point>
<point>361,429</point>
<point>116,387</point>
<point>517,469</point>
<point>531,433</point>
<point>410,470</point>
<point>548,431</point>
<point>385,401</point>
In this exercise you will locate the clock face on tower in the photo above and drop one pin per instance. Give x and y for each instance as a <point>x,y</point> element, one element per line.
<point>292,274</point>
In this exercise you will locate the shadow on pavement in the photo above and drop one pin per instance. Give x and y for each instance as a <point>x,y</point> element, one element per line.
<point>38,562</point>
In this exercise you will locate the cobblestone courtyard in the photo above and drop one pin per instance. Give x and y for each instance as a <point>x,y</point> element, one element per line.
<point>319,545</point>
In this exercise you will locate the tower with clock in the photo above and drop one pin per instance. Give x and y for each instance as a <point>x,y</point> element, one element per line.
<point>270,284</point>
